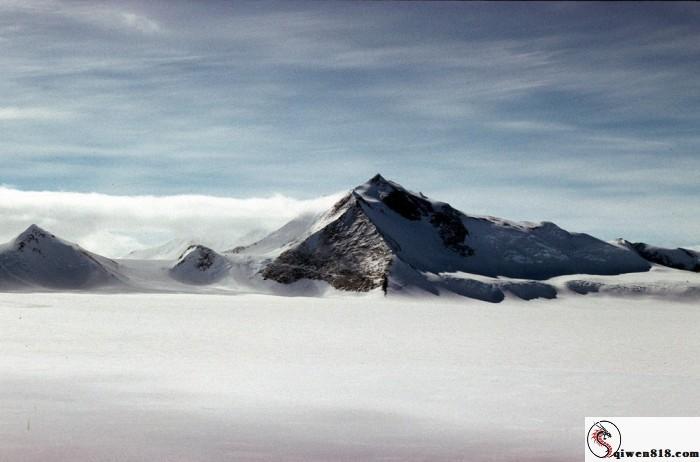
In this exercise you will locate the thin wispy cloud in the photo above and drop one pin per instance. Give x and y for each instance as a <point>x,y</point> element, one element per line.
<point>31,113</point>
<point>104,15</point>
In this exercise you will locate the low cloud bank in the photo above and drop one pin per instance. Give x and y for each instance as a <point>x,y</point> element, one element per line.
<point>115,225</point>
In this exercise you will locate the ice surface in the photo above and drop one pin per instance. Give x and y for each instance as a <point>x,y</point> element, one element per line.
<point>195,378</point>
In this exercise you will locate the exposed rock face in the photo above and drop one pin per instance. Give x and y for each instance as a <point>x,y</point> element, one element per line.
<point>349,253</point>
<point>406,205</point>
<point>205,258</point>
<point>452,231</point>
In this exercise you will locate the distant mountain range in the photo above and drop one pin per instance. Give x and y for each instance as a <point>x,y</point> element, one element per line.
<point>379,236</point>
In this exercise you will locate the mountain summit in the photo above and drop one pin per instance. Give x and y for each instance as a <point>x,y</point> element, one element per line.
<point>383,235</point>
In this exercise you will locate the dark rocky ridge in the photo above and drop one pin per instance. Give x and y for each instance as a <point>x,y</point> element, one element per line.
<point>679,258</point>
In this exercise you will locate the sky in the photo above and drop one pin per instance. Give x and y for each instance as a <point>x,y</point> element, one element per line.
<point>585,114</point>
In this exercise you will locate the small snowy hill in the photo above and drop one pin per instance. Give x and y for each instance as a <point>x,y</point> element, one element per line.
<point>382,235</point>
<point>38,258</point>
<point>680,258</point>
<point>200,265</point>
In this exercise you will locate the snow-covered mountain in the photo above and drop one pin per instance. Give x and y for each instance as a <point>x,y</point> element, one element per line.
<point>378,236</point>
<point>37,258</point>
<point>382,235</point>
<point>200,265</point>
<point>680,258</point>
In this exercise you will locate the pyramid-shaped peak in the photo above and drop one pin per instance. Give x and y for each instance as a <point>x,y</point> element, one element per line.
<point>378,184</point>
<point>34,228</point>
<point>379,181</point>
<point>378,178</point>
<point>32,237</point>
<point>34,232</point>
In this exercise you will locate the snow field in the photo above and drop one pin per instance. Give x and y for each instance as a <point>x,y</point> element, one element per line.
<point>185,377</point>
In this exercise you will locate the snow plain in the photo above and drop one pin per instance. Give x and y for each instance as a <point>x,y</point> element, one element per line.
<point>197,377</point>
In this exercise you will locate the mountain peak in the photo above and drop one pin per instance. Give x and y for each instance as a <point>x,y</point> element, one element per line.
<point>377,187</point>
<point>378,178</point>
<point>377,182</point>
<point>34,229</point>
<point>33,234</point>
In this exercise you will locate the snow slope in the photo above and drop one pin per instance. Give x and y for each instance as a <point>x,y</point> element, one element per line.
<point>381,235</point>
<point>37,258</point>
<point>279,240</point>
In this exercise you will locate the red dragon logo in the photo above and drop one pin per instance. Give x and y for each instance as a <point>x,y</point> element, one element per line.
<point>603,439</point>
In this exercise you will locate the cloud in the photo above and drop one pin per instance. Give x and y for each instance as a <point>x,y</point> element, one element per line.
<point>530,126</point>
<point>114,225</point>
<point>139,23</point>
<point>31,113</point>
<point>98,14</point>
